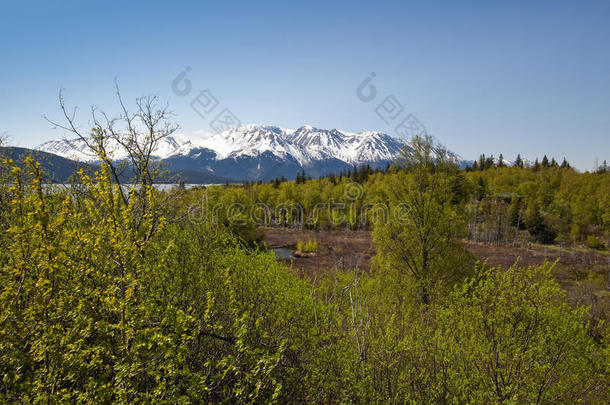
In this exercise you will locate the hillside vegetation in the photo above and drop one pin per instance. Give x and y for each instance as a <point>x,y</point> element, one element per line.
<point>546,204</point>
<point>115,295</point>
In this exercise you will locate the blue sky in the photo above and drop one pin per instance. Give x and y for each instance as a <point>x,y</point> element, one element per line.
<point>483,77</point>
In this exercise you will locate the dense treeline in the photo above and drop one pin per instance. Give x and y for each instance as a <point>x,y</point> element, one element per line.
<point>553,204</point>
<point>111,294</point>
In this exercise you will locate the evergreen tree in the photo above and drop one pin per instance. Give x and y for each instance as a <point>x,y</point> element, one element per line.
<point>482,161</point>
<point>536,225</point>
<point>545,161</point>
<point>489,162</point>
<point>300,179</point>
<point>481,189</point>
<point>519,161</point>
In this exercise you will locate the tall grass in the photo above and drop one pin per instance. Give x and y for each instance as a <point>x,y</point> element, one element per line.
<point>311,246</point>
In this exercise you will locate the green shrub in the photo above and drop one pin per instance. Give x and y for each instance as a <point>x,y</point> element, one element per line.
<point>311,246</point>
<point>104,301</point>
<point>594,243</point>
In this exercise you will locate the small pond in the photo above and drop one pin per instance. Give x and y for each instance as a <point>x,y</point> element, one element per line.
<point>282,253</point>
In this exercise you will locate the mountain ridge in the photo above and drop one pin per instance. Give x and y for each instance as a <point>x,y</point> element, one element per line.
<point>305,144</point>
<point>257,152</point>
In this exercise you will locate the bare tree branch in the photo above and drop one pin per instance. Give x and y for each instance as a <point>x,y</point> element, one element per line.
<point>137,134</point>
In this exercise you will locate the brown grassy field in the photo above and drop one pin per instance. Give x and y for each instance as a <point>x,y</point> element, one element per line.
<point>582,273</point>
<point>336,248</point>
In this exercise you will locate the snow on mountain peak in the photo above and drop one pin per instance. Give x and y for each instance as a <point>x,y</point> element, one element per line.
<point>305,145</point>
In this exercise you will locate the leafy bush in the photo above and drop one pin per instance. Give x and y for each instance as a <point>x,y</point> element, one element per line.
<point>594,243</point>
<point>103,301</point>
<point>510,335</point>
<point>504,335</point>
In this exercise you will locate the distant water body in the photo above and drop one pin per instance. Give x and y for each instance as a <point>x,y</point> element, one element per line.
<point>160,187</point>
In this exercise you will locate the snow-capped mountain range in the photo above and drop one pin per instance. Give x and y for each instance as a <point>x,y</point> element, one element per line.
<point>305,144</point>
<point>255,152</point>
